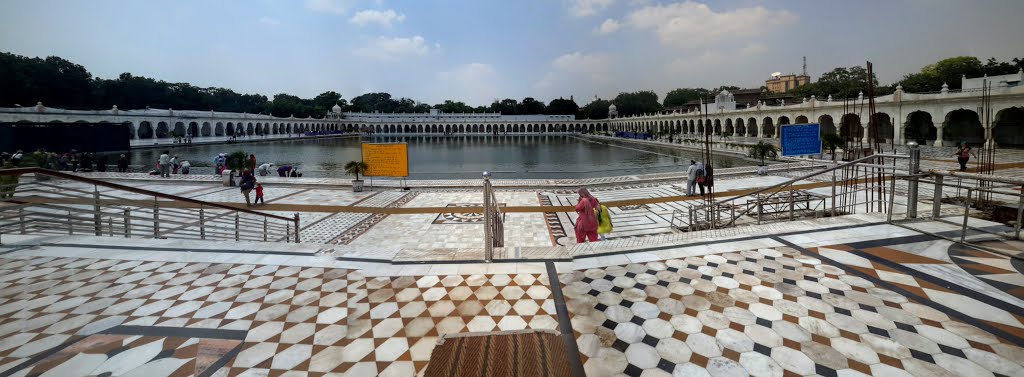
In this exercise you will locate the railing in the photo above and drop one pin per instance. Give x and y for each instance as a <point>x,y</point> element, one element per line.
<point>51,204</point>
<point>860,185</point>
<point>494,227</point>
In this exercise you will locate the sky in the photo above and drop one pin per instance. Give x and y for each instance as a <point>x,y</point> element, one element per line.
<point>477,51</point>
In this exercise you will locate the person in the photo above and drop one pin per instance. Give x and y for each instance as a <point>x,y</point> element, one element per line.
<point>586,220</point>
<point>604,222</point>
<point>259,194</point>
<point>86,162</point>
<point>247,184</point>
<point>8,183</point>
<point>963,154</point>
<point>283,170</point>
<point>265,169</point>
<point>701,176</point>
<point>16,158</point>
<point>74,160</point>
<point>252,162</point>
<point>185,166</point>
<point>218,163</point>
<point>691,177</point>
<point>174,165</point>
<point>295,173</point>
<point>165,164</point>
<point>122,164</point>
<point>101,163</point>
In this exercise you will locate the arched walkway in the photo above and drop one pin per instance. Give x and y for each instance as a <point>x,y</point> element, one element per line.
<point>851,127</point>
<point>741,128</point>
<point>162,130</point>
<point>179,129</point>
<point>752,127</point>
<point>1009,128</point>
<point>886,131</point>
<point>718,126</point>
<point>206,130</point>
<point>728,127</point>
<point>827,124</point>
<point>145,130</point>
<point>193,129</point>
<point>919,128</point>
<point>801,119</point>
<point>218,130</point>
<point>767,127</point>
<point>962,126</point>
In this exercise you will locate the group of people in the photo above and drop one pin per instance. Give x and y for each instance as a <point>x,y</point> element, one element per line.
<point>69,161</point>
<point>248,184</point>
<point>167,165</point>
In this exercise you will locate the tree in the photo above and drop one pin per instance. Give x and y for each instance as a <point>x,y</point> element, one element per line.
<point>356,168</point>
<point>762,150</point>
<point>450,106</point>
<point>840,82</point>
<point>562,106</point>
<point>636,103</point>
<point>323,103</point>
<point>677,97</point>
<point>531,106</point>
<point>832,141</point>
<point>596,109</point>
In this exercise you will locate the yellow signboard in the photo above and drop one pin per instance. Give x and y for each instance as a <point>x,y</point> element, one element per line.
<point>386,159</point>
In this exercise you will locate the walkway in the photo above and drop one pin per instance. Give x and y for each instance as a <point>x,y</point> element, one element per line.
<point>858,299</point>
<point>170,141</point>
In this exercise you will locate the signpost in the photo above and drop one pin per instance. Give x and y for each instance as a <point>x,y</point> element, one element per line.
<point>801,139</point>
<point>386,160</point>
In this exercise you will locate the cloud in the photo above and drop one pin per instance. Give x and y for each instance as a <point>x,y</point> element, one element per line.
<point>329,6</point>
<point>608,26</point>
<point>393,49</point>
<point>577,72</point>
<point>384,18</point>
<point>270,21</point>
<point>689,24</point>
<point>753,49</point>
<point>474,82</point>
<point>585,8</point>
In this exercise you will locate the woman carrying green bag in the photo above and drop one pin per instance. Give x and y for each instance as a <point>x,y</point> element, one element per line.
<point>604,221</point>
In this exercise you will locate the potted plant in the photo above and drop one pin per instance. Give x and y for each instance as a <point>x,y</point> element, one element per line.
<point>236,162</point>
<point>356,168</point>
<point>762,150</point>
<point>831,141</point>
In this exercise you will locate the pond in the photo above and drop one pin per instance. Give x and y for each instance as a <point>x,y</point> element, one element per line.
<point>457,157</point>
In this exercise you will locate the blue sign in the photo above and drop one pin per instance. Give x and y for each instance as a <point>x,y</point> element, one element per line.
<point>801,139</point>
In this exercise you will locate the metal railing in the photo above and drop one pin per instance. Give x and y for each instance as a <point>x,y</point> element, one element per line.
<point>50,204</point>
<point>494,227</point>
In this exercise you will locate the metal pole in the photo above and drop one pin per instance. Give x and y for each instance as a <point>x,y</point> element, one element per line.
<point>297,240</point>
<point>967,210</point>
<point>488,220</point>
<point>127,223</point>
<point>110,226</point>
<point>202,224</point>
<point>937,197</point>
<point>21,220</point>
<point>760,210</point>
<point>96,220</point>
<point>791,206</point>
<point>833,193</point>
<point>264,229</point>
<point>915,167</point>
<point>237,230</point>
<point>287,233</point>
<point>156,218</point>
<point>1020,213</point>
<point>71,227</point>
<point>892,199</point>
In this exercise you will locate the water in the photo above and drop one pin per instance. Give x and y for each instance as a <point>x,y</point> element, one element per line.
<point>457,157</point>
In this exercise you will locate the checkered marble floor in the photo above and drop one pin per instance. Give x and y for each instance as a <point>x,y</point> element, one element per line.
<point>767,312</point>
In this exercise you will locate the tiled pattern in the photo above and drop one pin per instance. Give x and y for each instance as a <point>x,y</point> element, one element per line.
<point>364,225</point>
<point>767,312</point>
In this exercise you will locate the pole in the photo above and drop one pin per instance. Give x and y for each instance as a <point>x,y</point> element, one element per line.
<point>21,220</point>
<point>488,220</point>
<point>1020,213</point>
<point>297,240</point>
<point>156,218</point>
<point>937,197</point>
<point>967,210</point>
<point>97,221</point>
<point>264,229</point>
<point>833,193</point>
<point>202,224</point>
<point>237,228</point>
<point>915,167</point>
<point>127,223</point>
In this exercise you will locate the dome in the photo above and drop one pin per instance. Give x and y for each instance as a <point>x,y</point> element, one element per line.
<point>612,107</point>
<point>336,109</point>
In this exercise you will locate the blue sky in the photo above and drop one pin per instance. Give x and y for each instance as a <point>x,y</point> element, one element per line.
<point>480,50</point>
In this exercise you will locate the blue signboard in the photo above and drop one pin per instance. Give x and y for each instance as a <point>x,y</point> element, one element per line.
<point>801,139</point>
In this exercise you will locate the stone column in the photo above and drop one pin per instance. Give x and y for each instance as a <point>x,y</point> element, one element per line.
<point>938,134</point>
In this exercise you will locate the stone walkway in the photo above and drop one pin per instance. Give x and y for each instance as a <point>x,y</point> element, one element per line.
<point>857,299</point>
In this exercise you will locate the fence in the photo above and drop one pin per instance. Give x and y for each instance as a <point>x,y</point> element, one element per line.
<point>48,205</point>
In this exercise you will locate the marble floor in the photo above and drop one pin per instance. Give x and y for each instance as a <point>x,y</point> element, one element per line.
<point>867,299</point>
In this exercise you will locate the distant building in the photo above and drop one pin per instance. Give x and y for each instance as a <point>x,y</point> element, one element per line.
<point>728,100</point>
<point>785,83</point>
<point>1000,81</point>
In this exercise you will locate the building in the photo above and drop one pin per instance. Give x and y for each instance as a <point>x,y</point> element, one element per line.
<point>436,115</point>
<point>785,83</point>
<point>740,99</point>
<point>1000,81</point>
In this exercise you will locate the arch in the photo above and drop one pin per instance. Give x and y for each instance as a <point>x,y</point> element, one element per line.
<point>230,130</point>
<point>886,132</point>
<point>218,129</point>
<point>962,125</point>
<point>193,129</point>
<point>728,127</point>
<point>206,130</point>
<point>828,126</point>
<point>162,130</point>
<point>700,126</point>
<point>919,128</point>
<point>693,127</point>
<point>784,120</point>
<point>259,128</point>
<point>767,127</point>
<point>741,128</point>
<point>179,129</point>
<point>462,128</point>
<point>718,127</point>
<point>851,127</point>
<point>1007,132</point>
<point>800,119</point>
<point>146,130</point>
<point>752,127</point>
<point>419,128</point>
<point>249,129</point>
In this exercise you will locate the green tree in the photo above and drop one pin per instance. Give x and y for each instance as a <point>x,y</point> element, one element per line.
<point>531,106</point>
<point>636,103</point>
<point>324,102</point>
<point>596,109</point>
<point>832,141</point>
<point>561,106</point>
<point>840,82</point>
<point>356,168</point>
<point>677,97</point>
<point>450,106</point>
<point>762,150</point>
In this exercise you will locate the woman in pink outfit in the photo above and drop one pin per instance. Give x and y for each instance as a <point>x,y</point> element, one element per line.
<point>586,222</point>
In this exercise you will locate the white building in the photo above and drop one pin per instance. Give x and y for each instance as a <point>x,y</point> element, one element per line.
<point>1001,81</point>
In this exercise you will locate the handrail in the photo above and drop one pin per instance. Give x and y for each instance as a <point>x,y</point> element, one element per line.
<point>72,177</point>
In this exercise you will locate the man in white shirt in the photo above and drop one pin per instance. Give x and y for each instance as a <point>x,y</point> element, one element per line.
<point>691,177</point>
<point>165,164</point>
<point>265,169</point>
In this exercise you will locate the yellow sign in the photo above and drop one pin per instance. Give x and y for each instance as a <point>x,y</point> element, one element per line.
<point>386,159</point>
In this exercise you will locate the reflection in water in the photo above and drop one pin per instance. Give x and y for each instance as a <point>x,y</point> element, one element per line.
<point>439,157</point>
